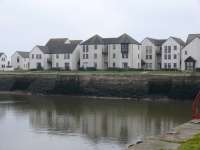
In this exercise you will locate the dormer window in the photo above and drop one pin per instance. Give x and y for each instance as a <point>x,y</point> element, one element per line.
<point>67,41</point>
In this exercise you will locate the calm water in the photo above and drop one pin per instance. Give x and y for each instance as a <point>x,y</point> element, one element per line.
<point>69,123</point>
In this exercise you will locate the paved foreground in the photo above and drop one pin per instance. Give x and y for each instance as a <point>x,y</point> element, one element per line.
<point>171,140</point>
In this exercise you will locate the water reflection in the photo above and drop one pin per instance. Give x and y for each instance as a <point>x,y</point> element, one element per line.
<point>121,121</point>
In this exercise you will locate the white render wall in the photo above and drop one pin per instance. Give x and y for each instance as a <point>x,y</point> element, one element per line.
<point>23,63</point>
<point>193,50</point>
<point>133,60</point>
<point>171,42</point>
<point>73,60</point>
<point>43,60</point>
<point>85,63</point>
<point>155,58</point>
<point>3,62</point>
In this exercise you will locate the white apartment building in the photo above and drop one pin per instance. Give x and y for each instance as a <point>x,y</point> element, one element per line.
<point>3,61</point>
<point>191,53</point>
<point>171,53</point>
<point>151,53</point>
<point>59,53</point>
<point>20,60</point>
<point>103,53</point>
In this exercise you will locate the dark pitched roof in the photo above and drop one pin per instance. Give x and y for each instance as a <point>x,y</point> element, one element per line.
<point>178,40</point>
<point>157,42</point>
<point>1,54</point>
<point>190,59</point>
<point>96,39</point>
<point>44,49</point>
<point>23,54</point>
<point>191,37</point>
<point>125,38</point>
<point>59,45</point>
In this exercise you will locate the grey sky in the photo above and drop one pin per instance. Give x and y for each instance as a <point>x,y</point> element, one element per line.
<point>26,23</point>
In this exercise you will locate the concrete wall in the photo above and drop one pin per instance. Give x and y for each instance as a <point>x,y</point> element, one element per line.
<point>110,86</point>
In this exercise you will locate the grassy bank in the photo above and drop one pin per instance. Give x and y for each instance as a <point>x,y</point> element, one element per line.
<point>109,73</point>
<point>192,144</point>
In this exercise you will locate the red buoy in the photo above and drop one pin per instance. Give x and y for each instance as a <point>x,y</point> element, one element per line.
<point>195,107</point>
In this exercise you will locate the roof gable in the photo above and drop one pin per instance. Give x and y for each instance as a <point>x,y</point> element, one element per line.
<point>96,39</point>
<point>59,45</point>
<point>1,54</point>
<point>23,54</point>
<point>179,41</point>
<point>191,37</point>
<point>156,42</point>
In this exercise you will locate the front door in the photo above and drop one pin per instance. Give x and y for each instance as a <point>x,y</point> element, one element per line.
<point>67,66</point>
<point>190,66</point>
<point>39,66</point>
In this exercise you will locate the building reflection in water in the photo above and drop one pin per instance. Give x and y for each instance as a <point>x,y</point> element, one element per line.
<point>123,121</point>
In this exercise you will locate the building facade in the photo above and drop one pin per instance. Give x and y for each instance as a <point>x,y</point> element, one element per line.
<point>59,53</point>
<point>20,60</point>
<point>171,53</point>
<point>3,62</point>
<point>191,53</point>
<point>103,53</point>
<point>151,53</point>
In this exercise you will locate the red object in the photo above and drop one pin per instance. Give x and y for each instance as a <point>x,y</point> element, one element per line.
<point>195,107</point>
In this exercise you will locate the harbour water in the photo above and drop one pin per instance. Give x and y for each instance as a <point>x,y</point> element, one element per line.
<point>80,123</point>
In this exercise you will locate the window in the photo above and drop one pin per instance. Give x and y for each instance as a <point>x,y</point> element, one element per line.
<point>175,56</point>
<point>175,47</point>
<point>169,49</point>
<point>165,65</point>
<point>169,57</point>
<point>32,56</point>
<point>95,56</point>
<point>169,65</point>
<point>175,65</point>
<point>57,65</point>
<point>124,55</point>
<point>165,49</point>
<point>18,59</point>
<point>67,56</point>
<point>114,65</point>
<point>114,55</point>
<point>86,56</point>
<point>95,46</point>
<point>87,48</point>
<point>83,48</point>
<point>57,56</point>
<point>114,46</point>
<point>185,52</point>
<point>124,47</point>
<point>165,56</point>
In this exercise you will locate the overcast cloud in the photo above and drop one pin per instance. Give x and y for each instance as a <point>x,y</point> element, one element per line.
<point>26,23</point>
